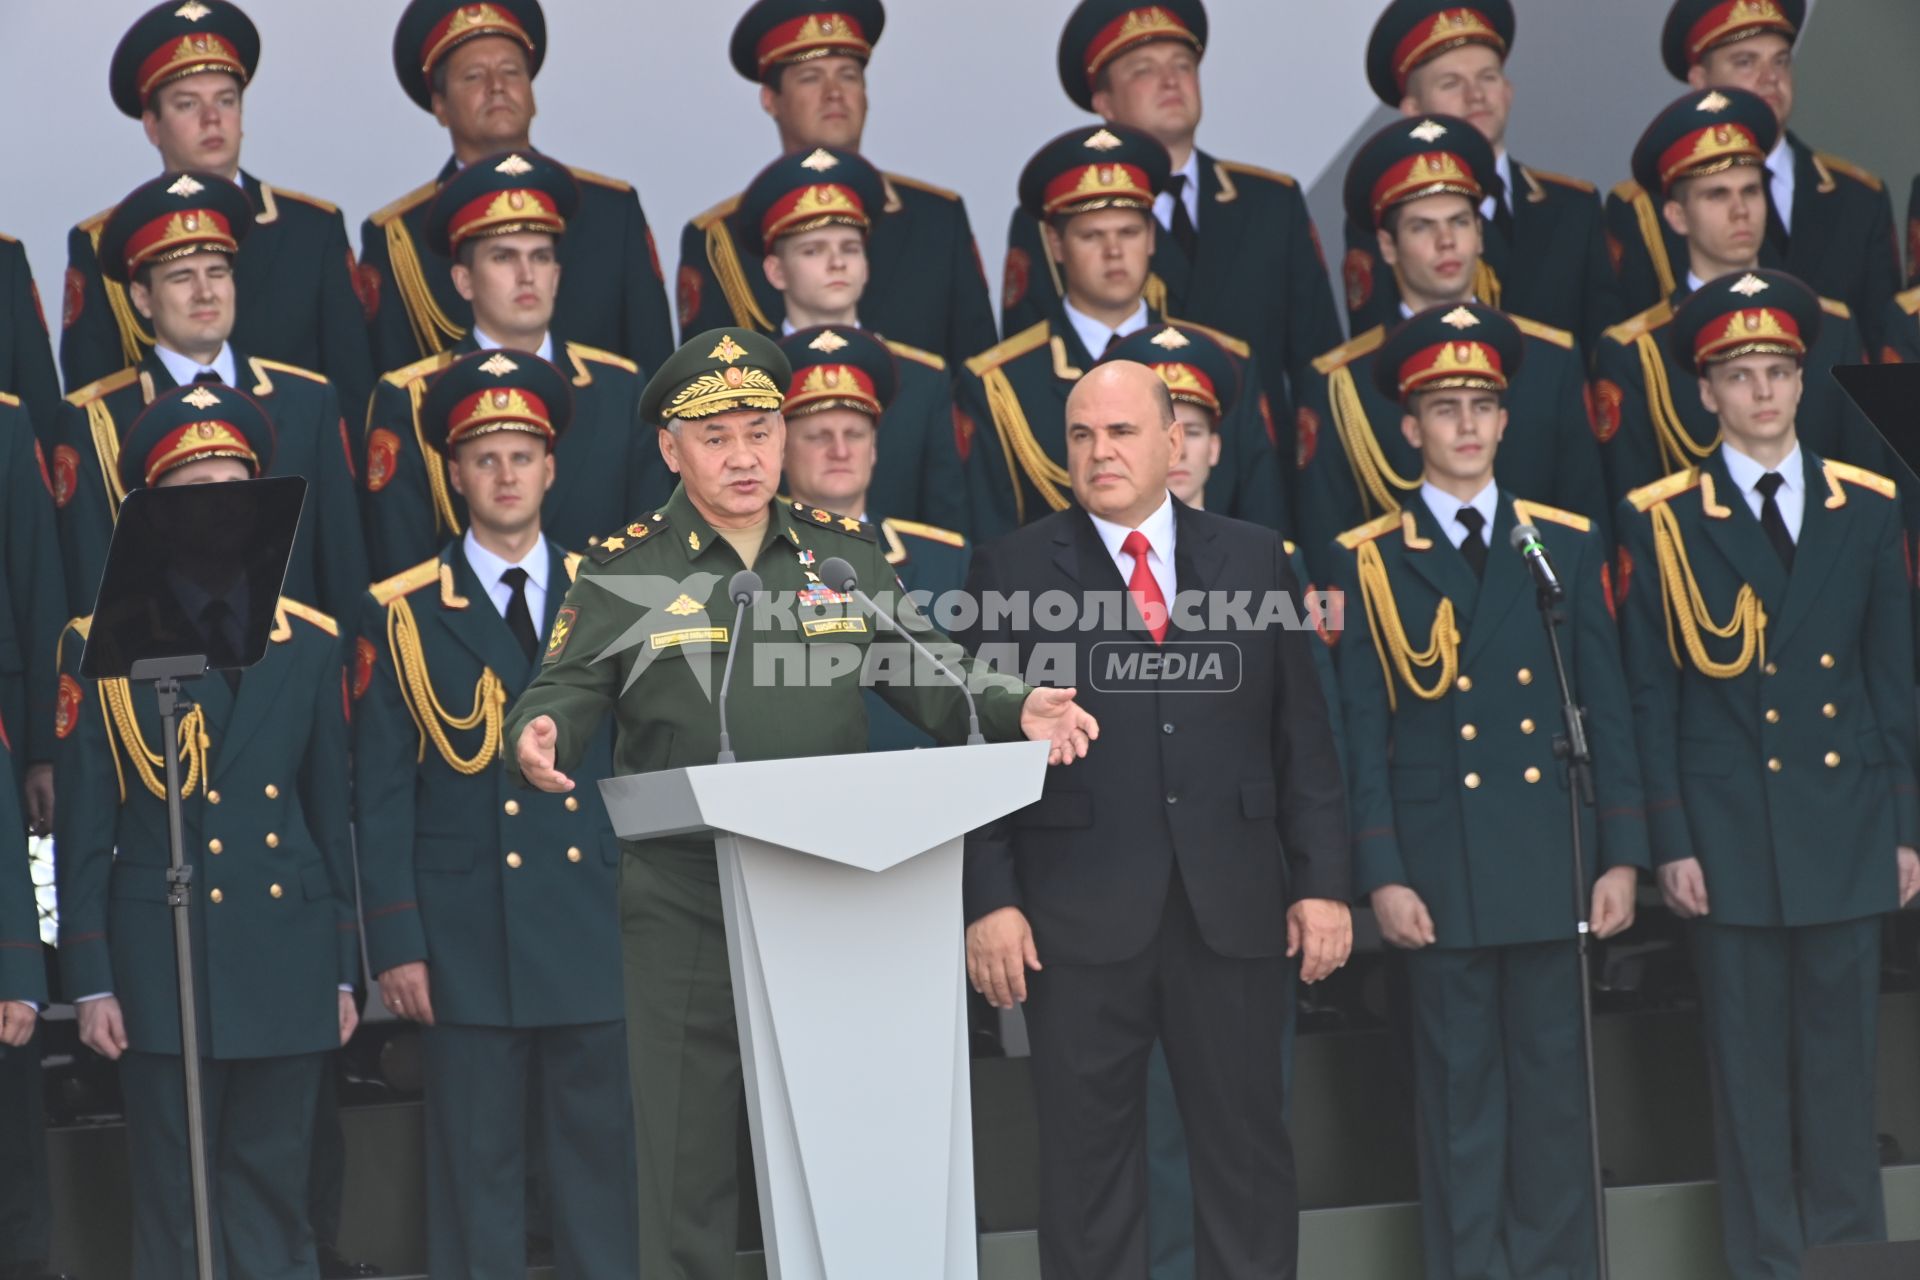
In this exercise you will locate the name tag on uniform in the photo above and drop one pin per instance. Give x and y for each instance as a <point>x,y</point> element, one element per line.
<point>833,626</point>
<point>691,635</point>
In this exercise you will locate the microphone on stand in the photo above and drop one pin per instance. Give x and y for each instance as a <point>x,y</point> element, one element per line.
<point>741,589</point>
<point>839,576</point>
<point>1525,539</point>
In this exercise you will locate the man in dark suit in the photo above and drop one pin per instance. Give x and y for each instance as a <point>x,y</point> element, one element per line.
<point>1167,885</point>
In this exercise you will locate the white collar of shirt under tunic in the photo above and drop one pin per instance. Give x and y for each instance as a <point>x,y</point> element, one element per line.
<point>489,568</point>
<point>1094,335</point>
<point>486,343</point>
<point>183,371</point>
<point>1159,529</point>
<point>1446,510</point>
<point>1791,497</point>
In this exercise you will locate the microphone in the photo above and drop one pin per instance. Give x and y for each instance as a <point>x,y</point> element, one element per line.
<point>1525,539</point>
<point>741,589</point>
<point>839,576</point>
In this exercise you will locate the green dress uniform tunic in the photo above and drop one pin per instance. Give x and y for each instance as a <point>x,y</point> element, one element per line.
<point>310,439</point>
<point>265,815</point>
<point>296,299</point>
<point>510,898</point>
<point>930,562</point>
<point>1456,793</point>
<point>26,1210</point>
<point>642,636</point>
<point>920,474</point>
<point>1902,329</point>
<point>26,358</point>
<point>1774,708</point>
<point>605,466</point>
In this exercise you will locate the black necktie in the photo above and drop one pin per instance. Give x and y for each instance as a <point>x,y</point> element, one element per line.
<point>1502,215</point>
<point>216,628</point>
<point>1473,546</point>
<point>206,375</point>
<point>519,616</point>
<point>1185,234</point>
<point>1777,234</point>
<point>1113,340</point>
<point>1770,518</point>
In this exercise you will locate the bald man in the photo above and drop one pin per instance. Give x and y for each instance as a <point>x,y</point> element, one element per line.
<point>1187,873</point>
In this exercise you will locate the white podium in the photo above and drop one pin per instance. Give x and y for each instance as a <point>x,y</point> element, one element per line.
<point>840,880</point>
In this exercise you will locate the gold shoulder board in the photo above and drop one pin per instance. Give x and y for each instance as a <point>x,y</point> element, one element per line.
<point>1351,350</point>
<point>325,206</point>
<point>931,532</point>
<point>1377,527</point>
<point>927,187</point>
<point>1562,180</point>
<point>406,581</point>
<point>603,357</point>
<point>1544,332</point>
<point>1028,339</point>
<point>1628,191</point>
<point>1528,512</point>
<point>420,193</point>
<point>1227,340</point>
<point>598,179</point>
<point>1909,301</point>
<point>1651,495</point>
<point>1882,485</point>
<point>419,368</point>
<point>701,221</point>
<point>915,354</point>
<point>281,367</point>
<point>103,386</point>
<point>1836,308</point>
<point>307,613</point>
<point>1255,171</point>
<point>1653,317</point>
<point>1865,177</point>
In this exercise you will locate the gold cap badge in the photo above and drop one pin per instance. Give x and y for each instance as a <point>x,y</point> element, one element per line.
<point>513,166</point>
<point>185,185</point>
<point>728,351</point>
<point>828,342</point>
<point>498,365</point>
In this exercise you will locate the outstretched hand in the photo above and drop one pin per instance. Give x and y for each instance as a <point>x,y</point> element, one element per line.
<point>1052,716</point>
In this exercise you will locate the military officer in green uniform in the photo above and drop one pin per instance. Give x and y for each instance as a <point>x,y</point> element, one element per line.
<point>1093,189</point>
<point>1704,154</point>
<point>1235,248</point>
<point>473,66</point>
<point>1829,221</point>
<point>182,70</point>
<point>652,666</point>
<point>504,223</point>
<point>1545,251</point>
<point>837,413</point>
<point>491,913</point>
<point>172,243</point>
<point>809,58</point>
<point>26,357</point>
<point>811,217</point>
<point>1769,647</point>
<point>1901,339</point>
<point>1418,185</point>
<point>1460,809</point>
<point>265,814</point>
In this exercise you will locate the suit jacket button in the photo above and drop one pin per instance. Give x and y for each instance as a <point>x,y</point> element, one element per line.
<point>1532,774</point>
<point>276,891</point>
<point>214,846</point>
<point>1473,781</point>
<point>573,855</point>
<point>273,792</point>
<point>512,807</point>
<point>573,804</point>
<point>273,841</point>
<point>513,860</point>
<point>216,897</point>
<point>1833,759</point>
<point>1774,764</point>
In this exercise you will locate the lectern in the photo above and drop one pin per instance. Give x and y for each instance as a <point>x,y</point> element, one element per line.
<point>840,882</point>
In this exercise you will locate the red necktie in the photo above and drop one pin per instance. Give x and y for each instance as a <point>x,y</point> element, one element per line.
<point>1144,588</point>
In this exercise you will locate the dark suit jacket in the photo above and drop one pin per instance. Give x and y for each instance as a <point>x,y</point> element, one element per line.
<point>1236,781</point>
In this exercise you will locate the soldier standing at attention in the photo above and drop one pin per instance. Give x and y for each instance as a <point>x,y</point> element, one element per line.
<point>183,70</point>
<point>1769,646</point>
<point>492,915</point>
<point>26,358</point>
<point>718,400</point>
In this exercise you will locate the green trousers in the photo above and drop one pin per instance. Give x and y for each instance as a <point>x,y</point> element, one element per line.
<point>684,1053</point>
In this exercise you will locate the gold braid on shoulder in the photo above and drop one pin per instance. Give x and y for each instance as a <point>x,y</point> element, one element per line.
<point>1678,451</point>
<point>432,719</point>
<point>432,330</point>
<point>1397,656</point>
<point>121,722</point>
<point>1686,610</point>
<point>1372,475</point>
<point>1024,454</point>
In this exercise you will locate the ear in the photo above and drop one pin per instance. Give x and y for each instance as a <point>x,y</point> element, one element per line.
<point>1410,429</point>
<point>1056,243</point>
<point>1410,106</point>
<point>770,101</point>
<point>1500,426</point>
<point>1675,214</point>
<point>440,111</point>
<point>142,299</point>
<point>669,449</point>
<point>548,470</point>
<point>1389,252</point>
<point>1213,448</point>
<point>151,123</point>
<point>463,280</point>
<point>453,472</point>
<point>1708,399</point>
<point>776,271</point>
<point>1696,76</point>
<point>1103,104</point>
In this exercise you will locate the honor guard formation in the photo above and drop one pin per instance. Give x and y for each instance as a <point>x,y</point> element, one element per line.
<point>536,467</point>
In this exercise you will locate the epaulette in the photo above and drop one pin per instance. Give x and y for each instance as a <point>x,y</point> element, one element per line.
<point>1653,317</point>
<point>325,206</point>
<point>820,518</point>
<point>280,366</point>
<point>1865,177</point>
<point>1349,351</point>
<point>1909,301</point>
<point>8,398</point>
<point>1836,308</point>
<point>598,179</point>
<point>1562,180</point>
<point>307,613</point>
<point>425,191</point>
<point>1526,512</point>
<point>701,221</point>
<point>7,239</point>
<point>595,354</point>
<point>103,386</point>
<point>1882,485</point>
<point>1628,191</point>
<point>97,221</point>
<point>1227,340</point>
<point>419,368</point>
<point>927,187</point>
<point>1544,332</point>
<point>1031,338</point>
<point>1649,495</point>
<point>572,561</point>
<point>605,547</point>
<point>931,532</point>
<point>916,355</point>
<point>1255,171</point>
<point>1287,545</point>
<point>80,626</point>
<point>406,582</point>
<point>1377,527</point>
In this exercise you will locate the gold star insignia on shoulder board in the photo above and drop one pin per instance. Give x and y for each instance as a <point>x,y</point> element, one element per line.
<point>1103,141</point>
<point>1460,318</point>
<point>828,342</point>
<point>185,185</point>
<point>1713,104</point>
<point>513,166</point>
<point>192,11</point>
<point>1748,285</point>
<point>683,605</point>
<point>201,398</point>
<point>1428,131</point>
<point>820,161</point>
<point>728,351</point>
<point>498,365</point>
<point>693,540</point>
<point>849,524</point>
<point>615,543</point>
<point>1171,339</point>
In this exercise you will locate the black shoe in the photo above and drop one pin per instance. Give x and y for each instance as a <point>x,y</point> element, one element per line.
<point>335,1267</point>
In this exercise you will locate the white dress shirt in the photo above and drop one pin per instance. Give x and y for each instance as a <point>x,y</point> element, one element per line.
<point>1791,497</point>
<point>490,569</point>
<point>1780,180</point>
<point>184,371</point>
<point>1189,195</point>
<point>486,343</point>
<point>1159,530</point>
<point>1094,335</point>
<point>1446,511</point>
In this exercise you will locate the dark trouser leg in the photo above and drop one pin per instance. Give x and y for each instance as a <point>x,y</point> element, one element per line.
<point>585,1111</point>
<point>1746,997</point>
<point>684,1052</point>
<point>26,1209</point>
<point>1836,1002</point>
<point>476,1090</point>
<point>1091,1027</point>
<point>1549,1200</point>
<point>266,1145</point>
<point>1223,1022</point>
<point>154,1093</point>
<point>1460,1084</point>
<point>329,1173</point>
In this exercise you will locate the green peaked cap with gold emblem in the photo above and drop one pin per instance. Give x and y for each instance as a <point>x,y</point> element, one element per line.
<point>718,371</point>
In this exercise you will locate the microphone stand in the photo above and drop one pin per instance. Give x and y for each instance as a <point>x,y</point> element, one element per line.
<point>1571,747</point>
